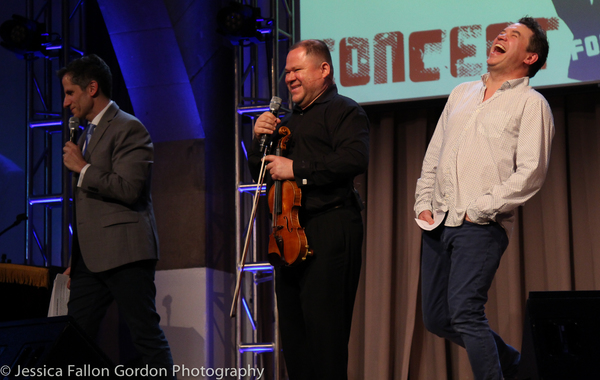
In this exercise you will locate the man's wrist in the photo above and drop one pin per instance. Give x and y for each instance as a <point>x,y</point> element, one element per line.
<point>82,174</point>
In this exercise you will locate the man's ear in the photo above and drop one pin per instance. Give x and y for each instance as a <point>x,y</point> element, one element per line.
<point>530,59</point>
<point>93,88</point>
<point>325,69</point>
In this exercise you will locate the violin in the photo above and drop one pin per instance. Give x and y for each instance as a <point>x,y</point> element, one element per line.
<point>287,243</point>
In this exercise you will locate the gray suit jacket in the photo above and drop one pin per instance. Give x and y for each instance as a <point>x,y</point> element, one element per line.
<point>113,207</point>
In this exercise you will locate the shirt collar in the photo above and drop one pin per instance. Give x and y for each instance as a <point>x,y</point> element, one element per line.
<point>326,96</point>
<point>523,81</point>
<point>101,113</point>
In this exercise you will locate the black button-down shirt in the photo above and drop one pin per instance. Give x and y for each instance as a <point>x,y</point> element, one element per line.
<point>329,145</point>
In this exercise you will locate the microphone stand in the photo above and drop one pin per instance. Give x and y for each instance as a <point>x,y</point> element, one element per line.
<point>20,218</point>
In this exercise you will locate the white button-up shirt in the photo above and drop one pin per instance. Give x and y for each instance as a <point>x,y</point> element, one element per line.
<point>486,158</point>
<point>95,122</point>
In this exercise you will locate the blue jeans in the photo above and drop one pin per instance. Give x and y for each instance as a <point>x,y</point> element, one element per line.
<point>458,265</point>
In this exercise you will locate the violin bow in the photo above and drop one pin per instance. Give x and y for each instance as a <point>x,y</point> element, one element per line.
<point>236,294</point>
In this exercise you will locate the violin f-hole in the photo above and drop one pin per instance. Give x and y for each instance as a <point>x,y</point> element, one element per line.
<point>280,244</point>
<point>287,224</point>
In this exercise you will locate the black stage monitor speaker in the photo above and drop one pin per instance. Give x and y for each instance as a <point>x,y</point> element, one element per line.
<point>50,348</point>
<point>565,331</point>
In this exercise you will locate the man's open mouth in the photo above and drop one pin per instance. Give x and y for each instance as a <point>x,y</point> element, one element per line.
<point>499,49</point>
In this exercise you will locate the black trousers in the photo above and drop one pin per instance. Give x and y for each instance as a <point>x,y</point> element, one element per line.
<point>132,287</point>
<point>315,299</point>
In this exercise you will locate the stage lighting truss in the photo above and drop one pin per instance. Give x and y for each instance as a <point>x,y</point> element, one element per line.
<point>23,36</point>
<point>242,24</point>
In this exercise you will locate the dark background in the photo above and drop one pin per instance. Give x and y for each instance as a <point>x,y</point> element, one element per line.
<point>193,176</point>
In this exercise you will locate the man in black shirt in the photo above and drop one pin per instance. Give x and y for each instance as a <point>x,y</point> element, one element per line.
<point>328,147</point>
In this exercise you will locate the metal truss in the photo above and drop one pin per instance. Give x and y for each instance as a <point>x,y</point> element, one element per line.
<point>259,74</point>
<point>47,180</point>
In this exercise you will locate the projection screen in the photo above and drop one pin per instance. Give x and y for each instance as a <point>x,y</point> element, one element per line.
<point>386,50</point>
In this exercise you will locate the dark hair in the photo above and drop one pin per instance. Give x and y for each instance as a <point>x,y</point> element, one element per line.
<point>319,49</point>
<point>89,68</point>
<point>538,43</point>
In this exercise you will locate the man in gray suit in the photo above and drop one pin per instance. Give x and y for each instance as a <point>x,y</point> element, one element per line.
<point>115,243</point>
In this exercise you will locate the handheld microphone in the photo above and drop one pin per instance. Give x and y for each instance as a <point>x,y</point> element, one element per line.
<point>274,109</point>
<point>73,125</point>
